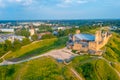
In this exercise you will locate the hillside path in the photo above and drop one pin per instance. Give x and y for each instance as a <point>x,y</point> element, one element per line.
<point>60,54</point>
<point>76,74</point>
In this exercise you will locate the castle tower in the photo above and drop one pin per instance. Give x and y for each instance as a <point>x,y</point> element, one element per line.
<point>77,31</point>
<point>31,30</point>
<point>98,36</point>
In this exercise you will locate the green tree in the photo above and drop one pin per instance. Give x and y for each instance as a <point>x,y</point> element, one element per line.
<point>34,37</point>
<point>16,45</point>
<point>48,36</point>
<point>61,33</point>
<point>25,41</point>
<point>23,33</point>
<point>44,28</point>
<point>7,45</point>
<point>2,51</point>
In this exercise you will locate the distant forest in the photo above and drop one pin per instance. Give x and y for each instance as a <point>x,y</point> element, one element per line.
<point>84,22</point>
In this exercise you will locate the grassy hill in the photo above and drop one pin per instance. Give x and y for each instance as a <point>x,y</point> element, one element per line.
<point>46,68</point>
<point>113,48</point>
<point>37,48</point>
<point>40,69</point>
<point>93,68</point>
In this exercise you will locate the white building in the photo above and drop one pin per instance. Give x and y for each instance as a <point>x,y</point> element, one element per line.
<point>10,37</point>
<point>7,30</point>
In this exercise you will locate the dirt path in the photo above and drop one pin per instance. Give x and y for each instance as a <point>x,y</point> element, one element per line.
<point>76,74</point>
<point>110,64</point>
<point>5,55</point>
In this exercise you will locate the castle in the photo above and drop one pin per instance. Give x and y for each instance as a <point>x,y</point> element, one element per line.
<point>31,30</point>
<point>88,43</point>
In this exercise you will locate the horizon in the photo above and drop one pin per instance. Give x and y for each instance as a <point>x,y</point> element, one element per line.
<point>59,19</point>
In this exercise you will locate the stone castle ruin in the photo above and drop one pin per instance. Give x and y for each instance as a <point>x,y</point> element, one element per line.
<point>88,43</point>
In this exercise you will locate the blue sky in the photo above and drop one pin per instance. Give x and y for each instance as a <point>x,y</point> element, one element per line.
<point>59,9</point>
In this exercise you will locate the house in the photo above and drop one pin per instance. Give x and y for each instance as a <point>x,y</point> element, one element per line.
<point>7,30</point>
<point>10,37</point>
<point>44,33</point>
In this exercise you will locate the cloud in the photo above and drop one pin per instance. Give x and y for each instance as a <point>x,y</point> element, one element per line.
<point>2,4</point>
<point>5,3</point>
<point>68,3</point>
<point>82,1</point>
<point>38,3</point>
<point>22,2</point>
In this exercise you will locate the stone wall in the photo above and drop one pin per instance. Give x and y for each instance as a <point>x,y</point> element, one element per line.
<point>92,46</point>
<point>97,45</point>
<point>77,47</point>
<point>100,41</point>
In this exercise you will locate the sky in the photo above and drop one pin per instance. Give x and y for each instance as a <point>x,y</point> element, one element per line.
<point>59,9</point>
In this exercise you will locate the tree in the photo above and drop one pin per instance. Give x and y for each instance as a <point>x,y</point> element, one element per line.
<point>16,45</point>
<point>25,41</point>
<point>2,51</point>
<point>34,37</point>
<point>7,45</point>
<point>48,36</point>
<point>23,33</point>
<point>44,28</point>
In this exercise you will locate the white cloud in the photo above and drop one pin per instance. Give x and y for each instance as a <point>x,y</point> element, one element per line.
<point>22,2</point>
<point>38,3</point>
<point>68,3</point>
<point>82,1</point>
<point>2,4</point>
<point>28,2</point>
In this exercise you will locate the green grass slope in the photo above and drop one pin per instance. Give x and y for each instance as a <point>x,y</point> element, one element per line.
<point>46,68</point>
<point>113,48</point>
<point>93,68</point>
<point>37,48</point>
<point>40,69</point>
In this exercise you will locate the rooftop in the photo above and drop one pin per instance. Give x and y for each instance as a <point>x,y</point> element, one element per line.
<point>87,37</point>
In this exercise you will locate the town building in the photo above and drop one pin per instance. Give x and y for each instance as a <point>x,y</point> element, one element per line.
<point>10,37</point>
<point>88,43</point>
<point>31,30</point>
<point>7,30</point>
